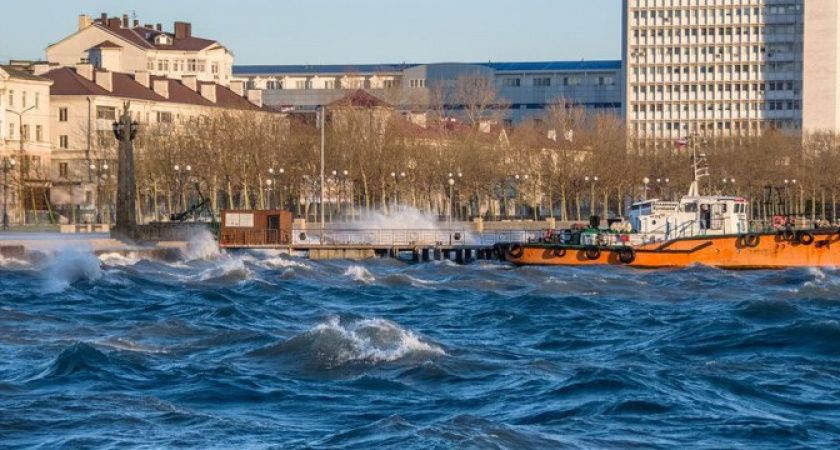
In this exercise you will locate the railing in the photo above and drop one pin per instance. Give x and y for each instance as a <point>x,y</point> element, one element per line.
<point>170,231</point>
<point>380,237</point>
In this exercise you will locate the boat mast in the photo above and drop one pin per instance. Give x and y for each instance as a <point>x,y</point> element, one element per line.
<point>701,168</point>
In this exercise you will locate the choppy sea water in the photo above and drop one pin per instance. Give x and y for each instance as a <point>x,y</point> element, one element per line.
<point>262,350</point>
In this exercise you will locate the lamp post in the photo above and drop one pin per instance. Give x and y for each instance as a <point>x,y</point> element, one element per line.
<point>518,197</point>
<point>20,114</point>
<point>100,169</point>
<point>646,181</point>
<point>449,226</point>
<point>272,186</point>
<point>592,201</point>
<point>268,184</point>
<point>8,164</point>
<point>727,181</point>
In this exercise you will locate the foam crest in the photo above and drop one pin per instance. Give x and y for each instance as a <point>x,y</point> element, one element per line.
<point>368,340</point>
<point>116,259</point>
<point>283,263</point>
<point>360,274</point>
<point>71,266</point>
<point>230,270</point>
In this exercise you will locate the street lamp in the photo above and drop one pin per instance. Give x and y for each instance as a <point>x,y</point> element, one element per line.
<point>100,172</point>
<point>646,181</point>
<point>8,164</point>
<point>451,184</point>
<point>592,201</point>
<point>268,184</point>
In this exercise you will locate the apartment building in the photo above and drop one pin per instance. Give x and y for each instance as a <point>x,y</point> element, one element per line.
<point>25,126</point>
<point>123,45</point>
<point>528,88</point>
<point>85,102</point>
<point>729,67</point>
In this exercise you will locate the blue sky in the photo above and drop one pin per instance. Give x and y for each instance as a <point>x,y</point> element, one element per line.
<point>347,31</point>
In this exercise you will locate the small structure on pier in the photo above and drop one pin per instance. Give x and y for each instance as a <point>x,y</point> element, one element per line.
<point>255,229</point>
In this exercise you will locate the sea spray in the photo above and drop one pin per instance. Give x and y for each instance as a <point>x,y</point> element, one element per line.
<point>70,266</point>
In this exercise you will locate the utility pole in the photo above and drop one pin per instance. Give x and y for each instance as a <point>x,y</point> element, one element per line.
<point>323,140</point>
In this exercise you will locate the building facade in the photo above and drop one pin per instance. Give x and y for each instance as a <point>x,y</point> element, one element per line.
<point>118,45</point>
<point>526,89</point>
<point>25,146</point>
<point>86,102</point>
<point>729,67</point>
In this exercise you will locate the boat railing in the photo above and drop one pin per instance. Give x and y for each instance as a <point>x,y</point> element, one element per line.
<point>380,237</point>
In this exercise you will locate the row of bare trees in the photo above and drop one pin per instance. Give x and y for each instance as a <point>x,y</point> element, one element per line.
<point>565,164</point>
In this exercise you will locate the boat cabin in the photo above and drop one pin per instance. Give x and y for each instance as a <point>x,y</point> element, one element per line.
<point>691,216</point>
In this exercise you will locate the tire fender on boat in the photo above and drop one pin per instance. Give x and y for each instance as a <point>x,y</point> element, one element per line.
<point>627,255</point>
<point>592,253</point>
<point>750,240</point>
<point>516,250</point>
<point>559,252</point>
<point>805,237</point>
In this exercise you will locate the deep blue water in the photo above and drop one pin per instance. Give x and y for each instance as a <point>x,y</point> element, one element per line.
<point>257,350</point>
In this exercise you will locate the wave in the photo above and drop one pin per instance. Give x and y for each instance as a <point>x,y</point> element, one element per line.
<point>228,271</point>
<point>71,266</point>
<point>79,357</point>
<point>283,263</point>
<point>360,274</point>
<point>116,259</point>
<point>338,342</point>
<point>202,247</point>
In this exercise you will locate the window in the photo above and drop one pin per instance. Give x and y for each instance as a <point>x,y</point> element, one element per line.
<point>163,117</point>
<point>62,114</point>
<point>329,84</point>
<point>150,64</point>
<point>63,142</point>
<point>37,100</point>
<point>214,68</point>
<point>62,170</point>
<point>511,82</point>
<point>191,65</point>
<point>106,112</point>
<point>11,130</point>
<point>23,99</point>
<point>39,133</point>
<point>103,138</point>
<point>11,98</point>
<point>542,82</point>
<point>25,135</point>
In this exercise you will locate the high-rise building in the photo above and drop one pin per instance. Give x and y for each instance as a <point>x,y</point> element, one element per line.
<point>729,67</point>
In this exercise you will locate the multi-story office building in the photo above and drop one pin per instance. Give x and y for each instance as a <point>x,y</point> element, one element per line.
<point>730,67</point>
<point>118,45</point>
<point>526,87</point>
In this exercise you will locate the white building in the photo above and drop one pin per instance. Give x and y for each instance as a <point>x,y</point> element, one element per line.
<point>730,67</point>
<point>527,88</point>
<point>116,45</point>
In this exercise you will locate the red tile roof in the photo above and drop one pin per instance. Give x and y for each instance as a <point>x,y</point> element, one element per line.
<point>106,44</point>
<point>145,38</point>
<point>66,81</point>
<point>360,99</point>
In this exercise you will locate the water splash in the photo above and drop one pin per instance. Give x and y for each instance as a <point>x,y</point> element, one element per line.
<point>202,246</point>
<point>70,266</point>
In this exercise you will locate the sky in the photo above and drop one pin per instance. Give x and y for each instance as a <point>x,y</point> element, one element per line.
<point>346,31</point>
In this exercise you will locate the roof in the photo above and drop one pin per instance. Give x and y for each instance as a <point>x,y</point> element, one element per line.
<point>145,38</point>
<point>374,68</point>
<point>360,99</point>
<point>336,69</point>
<point>66,81</point>
<point>106,44</point>
<point>17,74</point>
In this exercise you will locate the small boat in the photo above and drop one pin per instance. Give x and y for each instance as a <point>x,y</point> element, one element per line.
<point>707,230</point>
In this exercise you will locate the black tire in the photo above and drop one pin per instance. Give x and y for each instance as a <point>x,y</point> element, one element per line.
<point>627,255</point>
<point>787,235</point>
<point>750,240</point>
<point>559,252</point>
<point>516,250</point>
<point>805,237</point>
<point>592,253</point>
<point>497,251</point>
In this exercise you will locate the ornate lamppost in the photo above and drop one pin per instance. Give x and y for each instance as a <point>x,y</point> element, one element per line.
<point>8,164</point>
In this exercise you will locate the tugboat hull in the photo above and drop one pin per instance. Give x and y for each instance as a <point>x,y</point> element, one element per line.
<point>736,252</point>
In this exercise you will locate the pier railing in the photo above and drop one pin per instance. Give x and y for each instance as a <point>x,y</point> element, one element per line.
<point>409,237</point>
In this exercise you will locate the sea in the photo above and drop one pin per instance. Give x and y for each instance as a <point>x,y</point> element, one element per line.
<point>263,350</point>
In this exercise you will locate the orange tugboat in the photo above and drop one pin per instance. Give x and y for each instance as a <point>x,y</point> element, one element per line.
<point>707,230</point>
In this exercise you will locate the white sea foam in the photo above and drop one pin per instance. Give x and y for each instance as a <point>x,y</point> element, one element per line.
<point>202,246</point>
<point>359,273</point>
<point>116,259</point>
<point>225,270</point>
<point>283,263</point>
<point>374,340</point>
<point>70,266</point>
<point>128,345</point>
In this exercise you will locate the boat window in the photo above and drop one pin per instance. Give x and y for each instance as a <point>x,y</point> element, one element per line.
<point>723,208</point>
<point>690,207</point>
